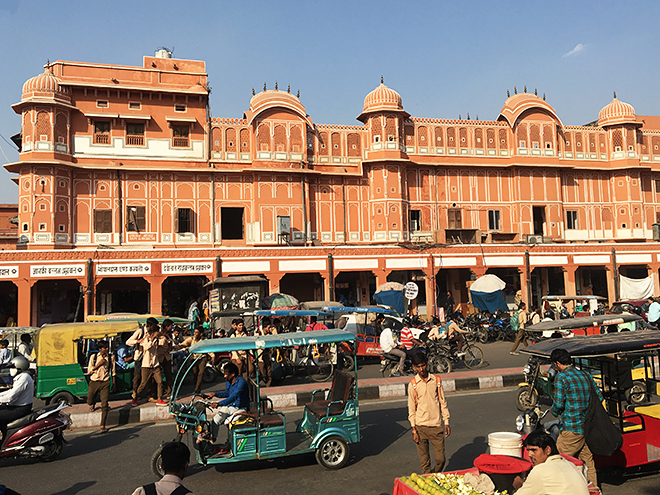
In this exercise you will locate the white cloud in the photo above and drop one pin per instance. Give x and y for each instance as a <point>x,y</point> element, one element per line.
<point>579,48</point>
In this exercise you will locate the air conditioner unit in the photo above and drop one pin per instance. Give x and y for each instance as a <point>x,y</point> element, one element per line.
<point>534,239</point>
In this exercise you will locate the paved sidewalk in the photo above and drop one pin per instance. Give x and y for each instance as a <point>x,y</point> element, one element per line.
<point>121,412</point>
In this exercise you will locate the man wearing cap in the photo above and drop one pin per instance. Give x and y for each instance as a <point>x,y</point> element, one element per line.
<point>101,365</point>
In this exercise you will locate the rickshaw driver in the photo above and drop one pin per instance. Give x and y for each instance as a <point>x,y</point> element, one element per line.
<point>236,395</point>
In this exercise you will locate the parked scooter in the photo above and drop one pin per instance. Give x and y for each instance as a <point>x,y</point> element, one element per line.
<point>37,435</point>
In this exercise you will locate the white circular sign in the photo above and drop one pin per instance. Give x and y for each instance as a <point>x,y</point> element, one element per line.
<point>410,290</point>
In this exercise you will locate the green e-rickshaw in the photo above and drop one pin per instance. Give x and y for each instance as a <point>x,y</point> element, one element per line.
<point>330,421</point>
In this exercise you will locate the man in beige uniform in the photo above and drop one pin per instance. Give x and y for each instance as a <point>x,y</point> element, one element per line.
<point>150,366</point>
<point>427,410</point>
<point>165,346</point>
<point>100,367</point>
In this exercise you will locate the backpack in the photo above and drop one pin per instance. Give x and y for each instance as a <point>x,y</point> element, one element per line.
<point>514,321</point>
<point>413,382</point>
<point>150,489</point>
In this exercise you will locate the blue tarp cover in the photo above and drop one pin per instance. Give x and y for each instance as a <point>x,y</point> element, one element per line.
<point>490,302</point>
<point>392,298</point>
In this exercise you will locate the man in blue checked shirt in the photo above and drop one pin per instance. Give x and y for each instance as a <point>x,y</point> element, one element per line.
<point>572,394</point>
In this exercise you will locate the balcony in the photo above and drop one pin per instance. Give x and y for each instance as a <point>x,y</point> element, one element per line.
<point>180,142</point>
<point>101,138</point>
<point>136,140</point>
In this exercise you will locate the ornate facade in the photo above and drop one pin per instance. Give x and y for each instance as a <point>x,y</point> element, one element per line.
<point>131,195</point>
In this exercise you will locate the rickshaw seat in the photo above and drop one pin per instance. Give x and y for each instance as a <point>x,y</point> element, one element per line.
<point>340,390</point>
<point>270,420</point>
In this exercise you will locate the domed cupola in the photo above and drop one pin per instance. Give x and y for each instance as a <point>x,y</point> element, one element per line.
<point>617,113</point>
<point>45,86</point>
<point>381,99</point>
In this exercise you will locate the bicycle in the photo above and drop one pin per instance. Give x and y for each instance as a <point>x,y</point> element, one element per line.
<point>443,352</point>
<point>316,360</point>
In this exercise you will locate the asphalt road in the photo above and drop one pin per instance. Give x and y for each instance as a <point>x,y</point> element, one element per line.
<point>118,462</point>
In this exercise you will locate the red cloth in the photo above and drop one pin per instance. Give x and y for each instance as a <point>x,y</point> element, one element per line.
<point>315,326</point>
<point>501,464</point>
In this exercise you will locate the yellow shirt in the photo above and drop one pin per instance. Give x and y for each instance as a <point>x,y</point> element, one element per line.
<point>426,402</point>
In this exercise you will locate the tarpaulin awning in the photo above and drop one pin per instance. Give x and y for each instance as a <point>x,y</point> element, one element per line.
<point>487,294</point>
<point>632,289</point>
<point>391,294</point>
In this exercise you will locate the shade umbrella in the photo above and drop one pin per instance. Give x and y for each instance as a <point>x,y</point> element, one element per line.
<point>487,294</point>
<point>279,301</point>
<point>391,294</point>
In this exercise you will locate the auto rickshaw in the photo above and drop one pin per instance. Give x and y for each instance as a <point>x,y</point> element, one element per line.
<point>330,421</point>
<point>63,350</point>
<point>617,361</point>
<point>359,321</point>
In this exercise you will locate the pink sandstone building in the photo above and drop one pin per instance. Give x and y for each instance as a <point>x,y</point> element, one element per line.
<point>131,197</point>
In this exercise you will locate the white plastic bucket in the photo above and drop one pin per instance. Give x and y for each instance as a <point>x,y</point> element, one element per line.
<point>505,443</point>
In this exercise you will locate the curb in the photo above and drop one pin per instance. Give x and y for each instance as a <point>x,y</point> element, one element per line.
<point>122,413</point>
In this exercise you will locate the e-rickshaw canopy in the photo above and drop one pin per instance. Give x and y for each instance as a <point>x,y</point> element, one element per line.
<point>271,341</point>
<point>56,344</point>
<point>361,309</point>
<point>287,312</point>
<point>598,345</point>
<point>142,319</point>
<point>6,332</point>
<point>583,322</point>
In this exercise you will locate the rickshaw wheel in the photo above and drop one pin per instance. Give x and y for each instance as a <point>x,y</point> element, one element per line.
<point>332,453</point>
<point>62,397</point>
<point>320,369</point>
<point>440,364</point>
<point>637,393</point>
<point>526,398</point>
<point>346,362</point>
<point>209,375</point>
<point>157,463</point>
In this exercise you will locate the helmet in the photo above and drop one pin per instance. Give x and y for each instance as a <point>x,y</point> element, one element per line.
<point>20,363</point>
<point>626,308</point>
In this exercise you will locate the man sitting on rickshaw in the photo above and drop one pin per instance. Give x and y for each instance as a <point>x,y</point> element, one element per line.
<point>236,395</point>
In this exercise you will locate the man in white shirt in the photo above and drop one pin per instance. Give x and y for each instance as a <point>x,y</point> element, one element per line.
<point>26,347</point>
<point>389,346</point>
<point>17,401</point>
<point>551,474</point>
<point>5,354</point>
<point>175,457</point>
<point>653,314</point>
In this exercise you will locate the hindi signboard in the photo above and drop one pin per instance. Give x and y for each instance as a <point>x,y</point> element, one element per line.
<point>123,268</point>
<point>38,271</point>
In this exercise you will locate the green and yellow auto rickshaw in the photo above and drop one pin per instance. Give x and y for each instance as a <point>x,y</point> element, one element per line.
<point>63,350</point>
<point>330,421</point>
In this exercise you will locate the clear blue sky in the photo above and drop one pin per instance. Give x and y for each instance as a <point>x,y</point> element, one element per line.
<point>444,58</point>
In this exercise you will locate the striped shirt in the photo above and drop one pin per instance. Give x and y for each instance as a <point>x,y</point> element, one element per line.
<point>572,394</point>
<point>407,338</point>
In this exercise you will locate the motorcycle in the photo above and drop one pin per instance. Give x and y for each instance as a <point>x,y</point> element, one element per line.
<point>537,384</point>
<point>532,419</point>
<point>37,435</point>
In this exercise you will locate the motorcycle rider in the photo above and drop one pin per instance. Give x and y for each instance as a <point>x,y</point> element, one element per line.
<point>389,346</point>
<point>17,401</point>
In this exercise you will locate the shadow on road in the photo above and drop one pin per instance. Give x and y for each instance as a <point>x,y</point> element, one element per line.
<point>77,488</point>
<point>464,457</point>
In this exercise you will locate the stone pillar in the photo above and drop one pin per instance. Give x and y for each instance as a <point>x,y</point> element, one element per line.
<point>274,279</point>
<point>24,303</point>
<point>569,280</point>
<point>524,290</point>
<point>611,286</point>
<point>654,268</point>
<point>156,295</point>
